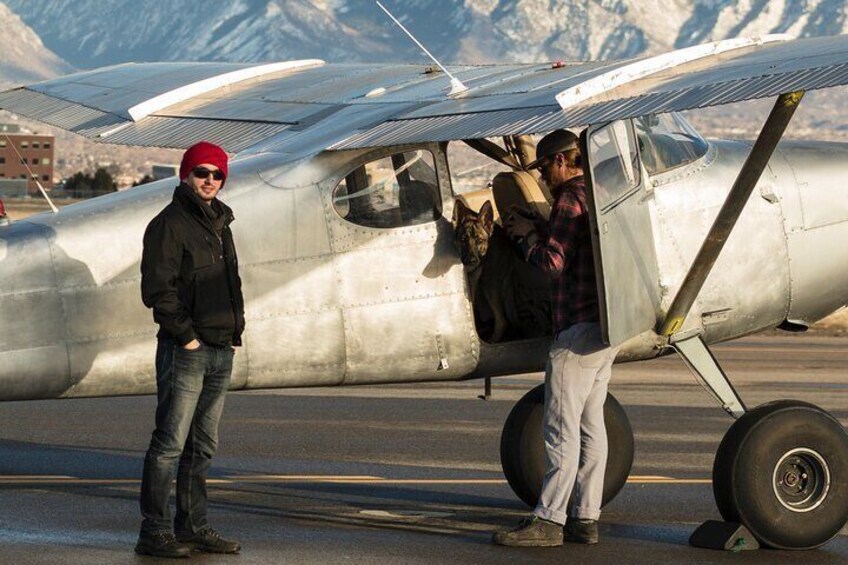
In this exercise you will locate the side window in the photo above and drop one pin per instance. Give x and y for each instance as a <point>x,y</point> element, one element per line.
<point>667,141</point>
<point>614,164</point>
<point>395,191</point>
<point>471,171</point>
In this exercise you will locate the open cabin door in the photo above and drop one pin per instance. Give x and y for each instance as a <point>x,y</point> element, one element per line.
<point>625,256</point>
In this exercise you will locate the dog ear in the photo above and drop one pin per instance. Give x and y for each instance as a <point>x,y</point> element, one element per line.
<point>487,216</point>
<point>460,210</point>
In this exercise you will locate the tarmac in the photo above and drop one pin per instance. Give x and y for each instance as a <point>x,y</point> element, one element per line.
<point>396,474</point>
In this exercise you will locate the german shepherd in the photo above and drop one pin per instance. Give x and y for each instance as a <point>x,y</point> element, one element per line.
<point>514,294</point>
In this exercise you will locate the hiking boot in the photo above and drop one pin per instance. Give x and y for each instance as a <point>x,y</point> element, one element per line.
<point>581,531</point>
<point>161,544</point>
<point>209,541</point>
<point>532,532</point>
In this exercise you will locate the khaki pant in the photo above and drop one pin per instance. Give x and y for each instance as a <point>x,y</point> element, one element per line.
<point>576,379</point>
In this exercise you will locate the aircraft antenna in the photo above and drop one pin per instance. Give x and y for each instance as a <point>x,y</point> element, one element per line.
<point>31,175</point>
<point>456,84</point>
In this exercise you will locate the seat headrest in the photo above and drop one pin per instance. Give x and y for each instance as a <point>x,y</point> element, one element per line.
<point>520,188</point>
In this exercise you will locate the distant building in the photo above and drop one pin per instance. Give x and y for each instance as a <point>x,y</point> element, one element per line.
<point>25,156</point>
<point>165,171</point>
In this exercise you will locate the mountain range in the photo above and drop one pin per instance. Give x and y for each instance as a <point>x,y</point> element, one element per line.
<point>23,57</point>
<point>48,35</point>
<point>45,38</point>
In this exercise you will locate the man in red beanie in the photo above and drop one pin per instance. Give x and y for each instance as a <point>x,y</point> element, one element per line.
<point>189,277</point>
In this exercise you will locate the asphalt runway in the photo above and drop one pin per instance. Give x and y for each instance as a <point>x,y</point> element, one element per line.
<point>395,474</point>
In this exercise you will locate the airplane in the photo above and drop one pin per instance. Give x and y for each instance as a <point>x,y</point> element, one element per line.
<point>343,187</point>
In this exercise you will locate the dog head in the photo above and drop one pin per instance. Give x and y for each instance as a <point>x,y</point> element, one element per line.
<point>472,232</point>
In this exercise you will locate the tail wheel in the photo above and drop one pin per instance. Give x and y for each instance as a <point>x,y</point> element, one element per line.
<point>523,448</point>
<point>782,471</point>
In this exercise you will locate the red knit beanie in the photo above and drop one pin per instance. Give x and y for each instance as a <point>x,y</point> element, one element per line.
<point>203,152</point>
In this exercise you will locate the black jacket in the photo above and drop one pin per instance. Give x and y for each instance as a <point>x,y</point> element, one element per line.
<point>189,275</point>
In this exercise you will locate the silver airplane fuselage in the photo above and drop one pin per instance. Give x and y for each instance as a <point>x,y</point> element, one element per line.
<point>329,302</point>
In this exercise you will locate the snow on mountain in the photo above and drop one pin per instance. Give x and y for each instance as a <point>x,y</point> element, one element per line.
<point>92,33</point>
<point>23,57</point>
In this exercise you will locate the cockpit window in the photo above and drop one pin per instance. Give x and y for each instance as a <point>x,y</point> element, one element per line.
<point>395,191</point>
<point>667,141</point>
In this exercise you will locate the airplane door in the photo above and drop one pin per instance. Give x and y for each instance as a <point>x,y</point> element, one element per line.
<point>625,257</point>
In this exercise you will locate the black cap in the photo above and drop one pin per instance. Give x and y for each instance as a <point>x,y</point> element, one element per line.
<point>558,141</point>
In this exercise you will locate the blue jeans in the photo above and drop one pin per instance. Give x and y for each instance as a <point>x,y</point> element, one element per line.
<point>191,386</point>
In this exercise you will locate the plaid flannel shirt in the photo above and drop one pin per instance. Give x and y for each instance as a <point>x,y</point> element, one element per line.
<point>562,248</point>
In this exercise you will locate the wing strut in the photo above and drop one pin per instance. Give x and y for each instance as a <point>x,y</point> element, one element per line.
<point>748,177</point>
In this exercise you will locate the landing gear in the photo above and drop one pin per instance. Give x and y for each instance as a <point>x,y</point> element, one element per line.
<point>523,449</point>
<point>782,470</point>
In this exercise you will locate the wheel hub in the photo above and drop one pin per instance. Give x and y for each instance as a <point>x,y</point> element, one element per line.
<point>801,479</point>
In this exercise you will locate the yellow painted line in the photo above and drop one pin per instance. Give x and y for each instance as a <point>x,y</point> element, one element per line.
<point>250,478</point>
<point>670,481</point>
<point>36,477</point>
<point>330,479</point>
<point>756,349</point>
<point>68,481</point>
<point>439,481</point>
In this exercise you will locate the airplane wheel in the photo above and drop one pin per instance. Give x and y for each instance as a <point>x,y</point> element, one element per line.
<point>782,471</point>
<point>523,447</point>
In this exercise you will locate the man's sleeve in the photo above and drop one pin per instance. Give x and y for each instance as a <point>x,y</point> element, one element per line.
<point>239,302</point>
<point>552,249</point>
<point>160,270</point>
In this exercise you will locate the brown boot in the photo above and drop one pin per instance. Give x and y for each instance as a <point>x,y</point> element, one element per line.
<point>161,544</point>
<point>581,531</point>
<point>533,532</point>
<point>208,541</point>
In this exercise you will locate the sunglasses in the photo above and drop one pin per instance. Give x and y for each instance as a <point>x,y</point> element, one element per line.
<point>203,173</point>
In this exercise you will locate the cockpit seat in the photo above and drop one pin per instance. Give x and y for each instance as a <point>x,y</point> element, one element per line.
<point>475,200</point>
<point>518,188</point>
<point>521,189</point>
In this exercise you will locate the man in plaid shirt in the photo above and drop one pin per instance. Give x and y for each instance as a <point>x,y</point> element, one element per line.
<point>579,362</point>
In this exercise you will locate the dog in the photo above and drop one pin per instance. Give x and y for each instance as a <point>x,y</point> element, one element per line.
<point>503,287</point>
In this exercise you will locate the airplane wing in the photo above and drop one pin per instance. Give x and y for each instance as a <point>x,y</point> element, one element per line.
<point>273,107</point>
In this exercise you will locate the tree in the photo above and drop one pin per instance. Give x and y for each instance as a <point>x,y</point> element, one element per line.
<point>83,185</point>
<point>144,180</point>
<point>79,186</point>
<point>102,182</point>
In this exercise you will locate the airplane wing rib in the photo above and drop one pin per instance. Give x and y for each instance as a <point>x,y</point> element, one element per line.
<point>188,91</point>
<point>285,106</point>
<point>134,104</point>
<point>644,68</point>
<point>734,72</point>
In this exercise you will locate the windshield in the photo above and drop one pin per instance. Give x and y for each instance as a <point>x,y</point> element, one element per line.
<point>667,141</point>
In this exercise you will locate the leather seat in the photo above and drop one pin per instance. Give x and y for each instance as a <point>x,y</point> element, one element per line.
<point>518,188</point>
<point>521,189</point>
<point>475,200</point>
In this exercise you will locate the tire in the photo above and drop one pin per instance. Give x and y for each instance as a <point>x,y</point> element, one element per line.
<point>782,471</point>
<point>523,448</point>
